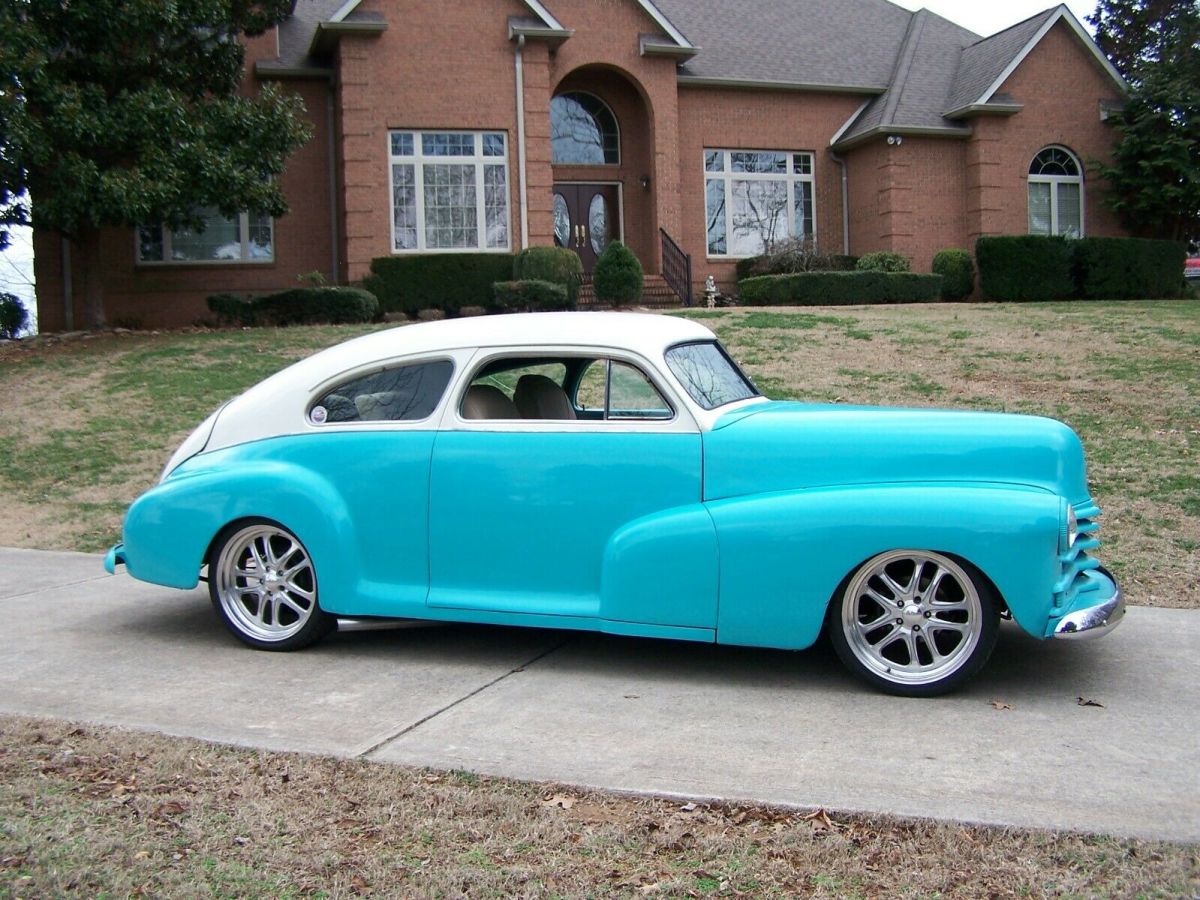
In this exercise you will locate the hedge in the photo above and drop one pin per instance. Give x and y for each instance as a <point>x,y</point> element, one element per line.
<point>554,264</point>
<point>771,264</point>
<point>883,261</point>
<point>839,288</point>
<point>297,306</point>
<point>1038,267</point>
<point>530,295</point>
<point>1128,268</point>
<point>958,271</point>
<point>445,281</point>
<point>1025,267</point>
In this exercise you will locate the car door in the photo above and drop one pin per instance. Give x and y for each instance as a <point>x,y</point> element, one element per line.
<point>522,510</point>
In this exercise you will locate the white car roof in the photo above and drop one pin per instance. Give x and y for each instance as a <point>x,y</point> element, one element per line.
<point>259,412</point>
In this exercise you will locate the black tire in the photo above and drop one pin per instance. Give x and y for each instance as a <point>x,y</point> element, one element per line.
<point>263,584</point>
<point>914,623</point>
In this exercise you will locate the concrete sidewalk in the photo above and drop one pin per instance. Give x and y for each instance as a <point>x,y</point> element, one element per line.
<point>638,715</point>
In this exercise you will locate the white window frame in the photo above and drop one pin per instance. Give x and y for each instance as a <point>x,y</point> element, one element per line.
<point>418,160</point>
<point>1054,181</point>
<point>243,236</point>
<point>729,176</point>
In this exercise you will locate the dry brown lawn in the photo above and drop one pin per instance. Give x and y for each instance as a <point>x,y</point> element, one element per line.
<point>87,811</point>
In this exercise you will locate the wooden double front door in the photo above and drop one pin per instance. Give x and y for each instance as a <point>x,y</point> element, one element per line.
<point>586,218</point>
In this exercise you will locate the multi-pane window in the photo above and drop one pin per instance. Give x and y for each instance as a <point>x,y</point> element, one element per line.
<point>449,190</point>
<point>245,237</point>
<point>756,199</point>
<point>1056,194</point>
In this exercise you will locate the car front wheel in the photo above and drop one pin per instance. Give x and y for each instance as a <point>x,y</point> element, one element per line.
<point>263,583</point>
<point>914,622</point>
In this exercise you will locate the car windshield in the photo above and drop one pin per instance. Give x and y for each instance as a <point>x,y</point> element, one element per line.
<point>709,375</point>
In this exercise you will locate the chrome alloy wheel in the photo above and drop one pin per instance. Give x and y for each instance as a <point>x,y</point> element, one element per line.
<point>265,584</point>
<point>912,617</point>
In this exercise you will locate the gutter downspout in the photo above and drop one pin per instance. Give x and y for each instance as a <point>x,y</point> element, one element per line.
<point>841,161</point>
<point>68,290</point>
<point>331,149</point>
<point>520,69</point>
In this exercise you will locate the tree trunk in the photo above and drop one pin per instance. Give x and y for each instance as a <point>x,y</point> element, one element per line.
<point>87,244</point>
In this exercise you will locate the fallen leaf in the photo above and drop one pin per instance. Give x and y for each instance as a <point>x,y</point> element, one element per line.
<point>1084,701</point>
<point>559,801</point>
<point>1000,704</point>
<point>646,889</point>
<point>688,807</point>
<point>632,696</point>
<point>241,841</point>
<point>360,885</point>
<point>820,820</point>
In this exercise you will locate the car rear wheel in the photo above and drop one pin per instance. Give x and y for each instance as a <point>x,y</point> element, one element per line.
<point>914,622</point>
<point>263,583</point>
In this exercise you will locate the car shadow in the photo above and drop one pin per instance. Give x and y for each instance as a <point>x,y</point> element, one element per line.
<point>1019,664</point>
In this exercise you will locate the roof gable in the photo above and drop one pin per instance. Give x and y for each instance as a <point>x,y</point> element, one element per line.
<point>987,64</point>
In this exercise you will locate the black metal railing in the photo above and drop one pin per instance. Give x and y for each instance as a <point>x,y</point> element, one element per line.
<point>676,268</point>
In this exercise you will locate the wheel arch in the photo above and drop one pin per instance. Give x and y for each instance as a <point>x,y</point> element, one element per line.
<point>785,556</point>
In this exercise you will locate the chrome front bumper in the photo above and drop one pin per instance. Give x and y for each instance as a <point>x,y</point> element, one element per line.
<point>1093,621</point>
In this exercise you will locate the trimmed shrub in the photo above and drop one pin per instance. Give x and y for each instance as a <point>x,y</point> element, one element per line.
<point>839,288</point>
<point>13,315</point>
<point>618,275</point>
<point>554,264</point>
<point>297,306</point>
<point>445,281</point>
<point>531,295</point>
<point>1128,268</point>
<point>1025,267</point>
<point>883,261</point>
<point>958,273</point>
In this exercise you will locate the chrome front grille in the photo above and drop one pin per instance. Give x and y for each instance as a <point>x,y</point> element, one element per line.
<point>1078,559</point>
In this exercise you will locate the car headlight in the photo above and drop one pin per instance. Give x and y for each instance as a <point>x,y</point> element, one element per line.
<point>1072,527</point>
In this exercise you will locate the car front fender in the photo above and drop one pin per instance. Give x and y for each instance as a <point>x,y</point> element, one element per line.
<point>170,528</point>
<point>783,555</point>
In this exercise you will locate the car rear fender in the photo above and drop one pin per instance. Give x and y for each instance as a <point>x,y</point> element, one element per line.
<point>783,555</point>
<point>169,529</point>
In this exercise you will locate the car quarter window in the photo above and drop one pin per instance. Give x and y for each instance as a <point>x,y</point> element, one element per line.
<point>612,389</point>
<point>403,393</point>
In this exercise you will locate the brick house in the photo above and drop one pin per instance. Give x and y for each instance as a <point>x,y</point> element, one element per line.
<point>711,125</point>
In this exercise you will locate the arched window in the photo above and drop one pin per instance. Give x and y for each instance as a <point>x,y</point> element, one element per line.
<point>1056,193</point>
<point>583,131</point>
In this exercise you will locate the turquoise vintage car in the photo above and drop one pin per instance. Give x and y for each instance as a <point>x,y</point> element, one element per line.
<point>618,472</point>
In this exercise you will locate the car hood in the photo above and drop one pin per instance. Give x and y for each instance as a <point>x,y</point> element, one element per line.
<point>778,446</point>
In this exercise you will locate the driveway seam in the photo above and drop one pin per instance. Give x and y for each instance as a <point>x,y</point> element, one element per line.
<point>408,729</point>
<point>53,587</point>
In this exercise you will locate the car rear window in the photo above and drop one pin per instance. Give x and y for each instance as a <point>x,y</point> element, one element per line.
<point>709,375</point>
<point>397,394</point>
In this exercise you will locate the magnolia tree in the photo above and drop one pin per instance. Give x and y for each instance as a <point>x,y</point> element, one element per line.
<point>128,113</point>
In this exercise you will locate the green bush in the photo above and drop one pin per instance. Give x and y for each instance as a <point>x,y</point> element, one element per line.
<point>297,306</point>
<point>445,281</point>
<point>530,295</point>
<point>1128,268</point>
<point>883,261</point>
<point>554,264</point>
<point>13,315</point>
<point>958,273</point>
<point>1025,267</point>
<point>839,288</point>
<point>618,275</point>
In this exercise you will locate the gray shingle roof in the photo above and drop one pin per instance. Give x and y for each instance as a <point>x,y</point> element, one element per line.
<point>983,61</point>
<point>918,65</point>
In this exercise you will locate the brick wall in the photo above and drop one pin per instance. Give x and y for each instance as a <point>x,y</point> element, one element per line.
<point>756,120</point>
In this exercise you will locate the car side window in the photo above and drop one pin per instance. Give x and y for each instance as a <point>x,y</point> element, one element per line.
<point>615,390</point>
<point>403,393</point>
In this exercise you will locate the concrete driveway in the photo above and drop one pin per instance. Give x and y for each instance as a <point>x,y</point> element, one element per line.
<point>635,715</point>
